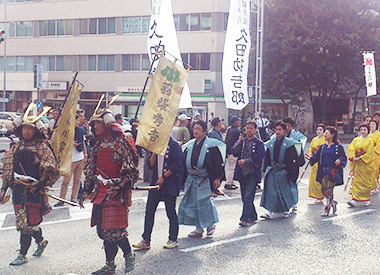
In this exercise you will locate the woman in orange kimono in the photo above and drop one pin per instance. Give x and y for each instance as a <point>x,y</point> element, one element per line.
<point>375,135</point>
<point>362,165</point>
<point>314,185</point>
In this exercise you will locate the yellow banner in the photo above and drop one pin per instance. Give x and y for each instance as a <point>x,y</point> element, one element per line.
<point>63,138</point>
<point>161,106</point>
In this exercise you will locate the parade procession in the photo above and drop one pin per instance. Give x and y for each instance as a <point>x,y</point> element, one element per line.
<point>164,137</point>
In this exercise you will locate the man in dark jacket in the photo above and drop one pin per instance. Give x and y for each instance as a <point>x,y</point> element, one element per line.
<point>233,134</point>
<point>169,180</point>
<point>250,153</point>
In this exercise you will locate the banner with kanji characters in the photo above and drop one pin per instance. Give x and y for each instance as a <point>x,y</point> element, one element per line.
<point>161,106</point>
<point>236,55</point>
<point>161,34</point>
<point>63,137</point>
<point>370,73</point>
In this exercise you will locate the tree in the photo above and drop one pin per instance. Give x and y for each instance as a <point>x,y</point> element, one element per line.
<point>312,47</point>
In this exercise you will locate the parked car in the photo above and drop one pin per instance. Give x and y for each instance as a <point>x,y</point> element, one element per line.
<point>7,119</point>
<point>3,130</point>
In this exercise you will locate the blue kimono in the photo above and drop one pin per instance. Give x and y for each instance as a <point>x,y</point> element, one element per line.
<point>204,164</point>
<point>301,160</point>
<point>280,164</point>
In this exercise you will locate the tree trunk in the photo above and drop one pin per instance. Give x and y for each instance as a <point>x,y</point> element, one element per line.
<point>352,124</point>
<point>324,106</point>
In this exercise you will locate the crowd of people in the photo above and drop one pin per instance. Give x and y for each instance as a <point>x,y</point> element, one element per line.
<point>197,160</point>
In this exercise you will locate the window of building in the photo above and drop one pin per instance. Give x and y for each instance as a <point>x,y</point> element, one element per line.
<point>92,26</point>
<point>176,21</point>
<point>83,26</point>
<point>110,62</point>
<point>126,62</point>
<point>48,63</point>
<point>47,27</point>
<point>111,25</point>
<point>10,63</point>
<point>198,61</point>
<point>136,24</point>
<point>195,22</point>
<point>92,63</point>
<point>64,27</point>
<point>60,63</point>
<point>205,61</point>
<point>131,62</point>
<point>145,24</point>
<point>183,24</point>
<point>68,63</point>
<point>11,29</point>
<point>83,66</point>
<point>185,58</point>
<point>145,63</point>
<point>98,25</point>
<point>225,21</point>
<point>205,21</point>
<point>194,61</point>
<point>24,63</point>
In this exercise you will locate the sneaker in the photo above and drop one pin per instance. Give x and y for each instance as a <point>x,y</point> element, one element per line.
<point>58,204</point>
<point>21,259</point>
<point>171,244</point>
<point>367,203</point>
<point>318,201</point>
<point>46,209</point>
<point>286,214</point>
<point>109,268</point>
<point>41,247</point>
<point>142,245</point>
<point>130,262</point>
<point>351,203</point>
<point>294,207</point>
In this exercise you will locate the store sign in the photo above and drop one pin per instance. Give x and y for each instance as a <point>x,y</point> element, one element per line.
<point>56,86</point>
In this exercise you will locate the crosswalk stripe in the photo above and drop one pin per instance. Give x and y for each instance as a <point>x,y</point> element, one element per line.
<point>217,243</point>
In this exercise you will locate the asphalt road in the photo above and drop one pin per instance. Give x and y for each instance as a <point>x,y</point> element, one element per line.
<point>305,243</point>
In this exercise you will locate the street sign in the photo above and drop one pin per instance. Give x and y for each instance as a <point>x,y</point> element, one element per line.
<point>38,76</point>
<point>4,99</point>
<point>39,105</point>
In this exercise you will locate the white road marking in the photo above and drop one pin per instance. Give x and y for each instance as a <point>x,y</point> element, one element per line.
<point>236,239</point>
<point>349,215</point>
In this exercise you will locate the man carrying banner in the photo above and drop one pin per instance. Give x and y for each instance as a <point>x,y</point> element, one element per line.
<point>111,172</point>
<point>32,157</point>
<point>204,164</point>
<point>169,178</point>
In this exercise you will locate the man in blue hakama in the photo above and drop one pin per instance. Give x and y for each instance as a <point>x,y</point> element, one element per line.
<point>281,170</point>
<point>204,164</point>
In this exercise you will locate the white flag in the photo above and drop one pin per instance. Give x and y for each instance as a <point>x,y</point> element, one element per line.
<point>370,73</point>
<point>236,55</point>
<point>162,33</point>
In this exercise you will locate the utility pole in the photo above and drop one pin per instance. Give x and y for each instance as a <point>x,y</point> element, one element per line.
<point>259,54</point>
<point>5,55</point>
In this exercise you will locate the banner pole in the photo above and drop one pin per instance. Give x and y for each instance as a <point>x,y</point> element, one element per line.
<point>146,82</point>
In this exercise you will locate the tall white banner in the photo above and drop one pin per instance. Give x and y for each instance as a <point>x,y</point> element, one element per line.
<point>370,73</point>
<point>236,55</point>
<point>162,33</point>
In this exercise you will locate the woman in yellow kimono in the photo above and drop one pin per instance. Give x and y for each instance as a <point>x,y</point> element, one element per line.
<point>314,186</point>
<point>362,161</point>
<point>375,135</point>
